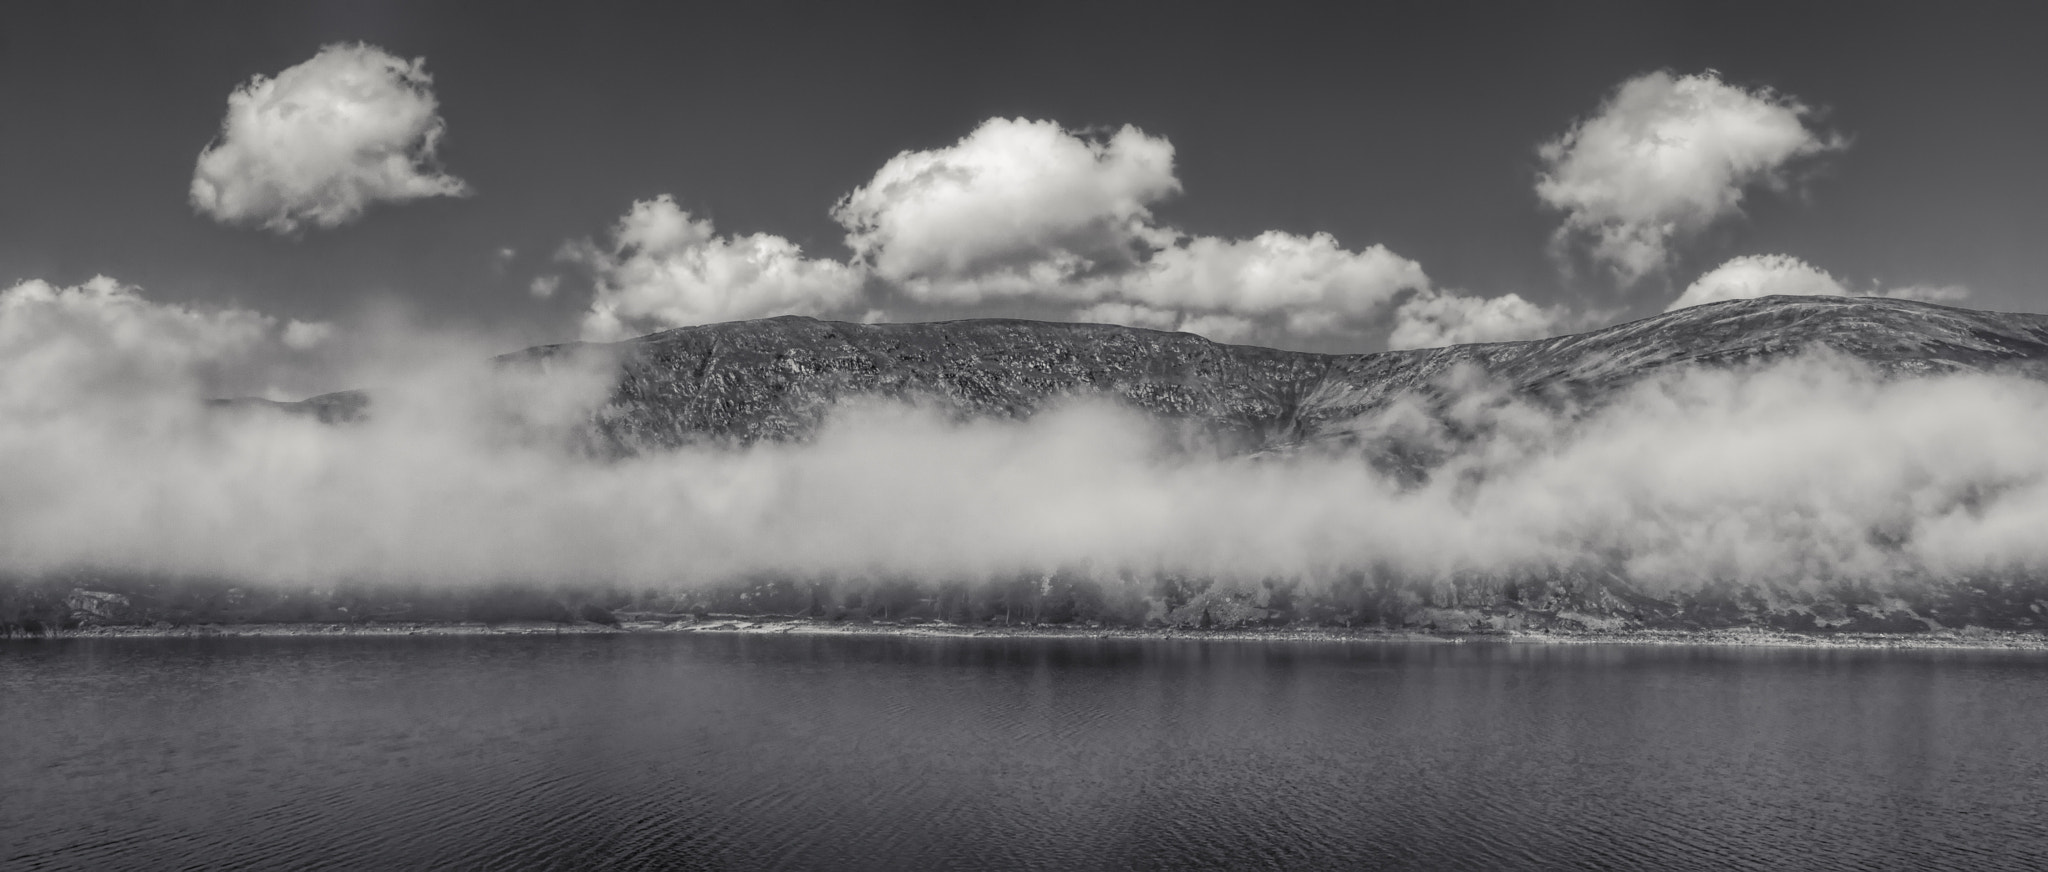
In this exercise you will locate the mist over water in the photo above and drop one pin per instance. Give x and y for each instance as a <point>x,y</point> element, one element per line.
<point>1806,472</point>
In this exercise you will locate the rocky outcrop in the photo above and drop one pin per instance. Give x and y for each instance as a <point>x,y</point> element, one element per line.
<point>98,606</point>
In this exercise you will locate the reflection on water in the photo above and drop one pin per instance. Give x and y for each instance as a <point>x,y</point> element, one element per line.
<point>707,751</point>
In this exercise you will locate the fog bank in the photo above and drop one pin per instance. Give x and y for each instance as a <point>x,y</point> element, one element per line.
<point>1802,473</point>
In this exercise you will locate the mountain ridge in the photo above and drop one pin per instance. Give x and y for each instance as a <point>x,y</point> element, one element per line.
<point>775,379</point>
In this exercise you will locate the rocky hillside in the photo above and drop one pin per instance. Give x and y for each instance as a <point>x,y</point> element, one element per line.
<point>774,379</point>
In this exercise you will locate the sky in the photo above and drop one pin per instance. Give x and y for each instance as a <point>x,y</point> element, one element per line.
<point>277,200</point>
<point>1387,175</point>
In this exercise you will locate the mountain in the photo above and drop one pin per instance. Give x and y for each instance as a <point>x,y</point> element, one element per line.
<point>775,379</point>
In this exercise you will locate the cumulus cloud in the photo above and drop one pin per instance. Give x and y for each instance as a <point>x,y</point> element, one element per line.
<point>1926,293</point>
<point>307,335</point>
<point>101,342</point>
<point>1274,284</point>
<point>1311,284</point>
<point>1665,157</point>
<point>1015,207</point>
<point>1029,209</point>
<point>1025,212</point>
<point>1752,276</point>
<point>323,141</point>
<point>662,268</point>
<point>1436,319</point>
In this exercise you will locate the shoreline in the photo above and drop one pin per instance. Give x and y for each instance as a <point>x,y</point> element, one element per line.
<point>1972,638</point>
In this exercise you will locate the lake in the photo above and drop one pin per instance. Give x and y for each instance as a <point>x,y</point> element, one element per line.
<point>874,752</point>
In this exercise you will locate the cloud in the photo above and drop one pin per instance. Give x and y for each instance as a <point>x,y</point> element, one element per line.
<point>664,269</point>
<point>1309,284</point>
<point>1665,157</point>
<point>1016,207</point>
<point>1219,327</point>
<point>103,349</point>
<point>1797,474</point>
<point>1436,319</point>
<point>1752,276</point>
<point>101,343</point>
<point>1926,293</point>
<point>323,141</point>
<point>1029,209</point>
<point>1019,211</point>
<point>1274,284</point>
<point>544,287</point>
<point>307,335</point>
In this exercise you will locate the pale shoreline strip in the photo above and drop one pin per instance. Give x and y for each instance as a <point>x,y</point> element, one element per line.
<point>1967,639</point>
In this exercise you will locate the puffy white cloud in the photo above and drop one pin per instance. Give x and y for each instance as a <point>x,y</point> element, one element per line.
<point>1665,157</point>
<point>544,287</point>
<point>665,269</point>
<point>102,343</point>
<point>1236,290</point>
<point>1752,276</point>
<point>1436,319</point>
<point>1017,210</point>
<point>1762,275</point>
<point>1017,207</point>
<point>1312,284</point>
<point>1029,209</point>
<point>307,335</point>
<point>1927,293</point>
<point>323,141</point>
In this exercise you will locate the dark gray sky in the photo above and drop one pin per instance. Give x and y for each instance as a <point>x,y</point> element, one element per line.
<point>1415,126</point>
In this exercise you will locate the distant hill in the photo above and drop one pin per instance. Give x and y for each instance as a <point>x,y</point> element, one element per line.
<point>775,378</point>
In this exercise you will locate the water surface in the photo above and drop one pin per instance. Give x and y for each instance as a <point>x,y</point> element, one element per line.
<point>711,751</point>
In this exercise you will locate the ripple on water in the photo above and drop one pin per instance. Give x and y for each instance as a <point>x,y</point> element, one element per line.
<point>707,751</point>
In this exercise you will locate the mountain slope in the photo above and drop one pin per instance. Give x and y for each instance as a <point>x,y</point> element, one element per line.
<point>774,379</point>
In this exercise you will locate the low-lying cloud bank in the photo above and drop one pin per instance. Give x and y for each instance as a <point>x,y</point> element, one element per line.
<point>1805,473</point>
